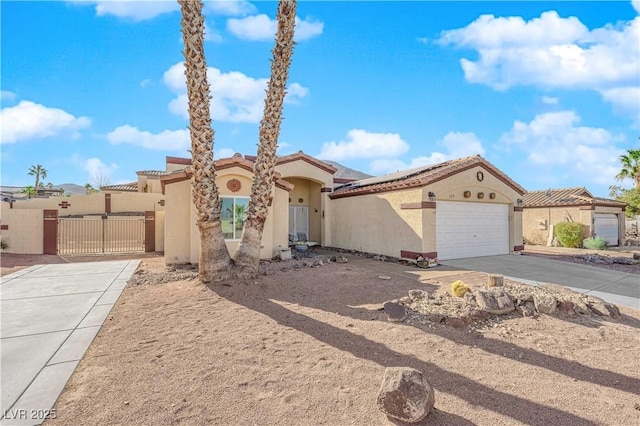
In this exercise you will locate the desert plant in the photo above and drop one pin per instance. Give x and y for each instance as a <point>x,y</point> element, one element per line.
<point>568,234</point>
<point>597,243</point>
<point>459,288</point>
<point>3,244</point>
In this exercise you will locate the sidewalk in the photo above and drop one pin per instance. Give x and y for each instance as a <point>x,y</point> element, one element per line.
<point>50,314</point>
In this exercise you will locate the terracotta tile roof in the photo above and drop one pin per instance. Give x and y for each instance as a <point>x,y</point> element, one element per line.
<point>309,159</point>
<point>130,187</point>
<point>151,172</point>
<point>578,196</point>
<point>221,164</point>
<point>421,176</point>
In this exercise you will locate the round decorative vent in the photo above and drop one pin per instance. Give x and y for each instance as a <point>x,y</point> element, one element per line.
<point>234,185</point>
<point>467,194</point>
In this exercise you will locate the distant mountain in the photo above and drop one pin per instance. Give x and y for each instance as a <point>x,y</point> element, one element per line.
<point>345,172</point>
<point>72,188</point>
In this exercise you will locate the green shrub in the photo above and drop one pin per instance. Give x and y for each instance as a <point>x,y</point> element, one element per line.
<point>597,243</point>
<point>568,234</point>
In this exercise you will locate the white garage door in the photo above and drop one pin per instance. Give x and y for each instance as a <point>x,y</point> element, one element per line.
<point>606,226</point>
<point>471,229</point>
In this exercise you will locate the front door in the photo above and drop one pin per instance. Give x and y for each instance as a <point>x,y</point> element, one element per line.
<point>299,220</point>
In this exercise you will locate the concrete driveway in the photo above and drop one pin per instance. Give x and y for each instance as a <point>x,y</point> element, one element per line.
<point>617,287</point>
<point>49,317</point>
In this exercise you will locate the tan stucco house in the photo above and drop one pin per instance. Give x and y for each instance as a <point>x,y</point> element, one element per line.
<point>546,208</point>
<point>459,208</point>
<point>300,204</point>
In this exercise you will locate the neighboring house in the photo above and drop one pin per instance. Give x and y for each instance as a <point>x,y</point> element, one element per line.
<point>148,182</point>
<point>460,208</point>
<point>546,208</point>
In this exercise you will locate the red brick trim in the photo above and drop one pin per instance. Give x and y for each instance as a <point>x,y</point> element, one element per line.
<point>589,207</point>
<point>325,189</point>
<point>518,248</point>
<point>418,205</point>
<point>178,160</point>
<point>518,209</point>
<point>4,227</point>
<point>107,203</point>
<point>414,254</point>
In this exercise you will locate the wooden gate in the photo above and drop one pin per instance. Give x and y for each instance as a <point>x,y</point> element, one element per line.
<point>101,234</point>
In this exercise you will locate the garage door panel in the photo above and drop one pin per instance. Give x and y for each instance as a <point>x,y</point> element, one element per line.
<point>606,226</point>
<point>471,229</point>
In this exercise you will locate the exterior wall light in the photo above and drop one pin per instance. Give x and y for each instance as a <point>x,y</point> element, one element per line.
<point>432,196</point>
<point>519,201</point>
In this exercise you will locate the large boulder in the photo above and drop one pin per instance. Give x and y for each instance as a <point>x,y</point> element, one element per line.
<point>495,302</point>
<point>405,394</point>
<point>395,311</point>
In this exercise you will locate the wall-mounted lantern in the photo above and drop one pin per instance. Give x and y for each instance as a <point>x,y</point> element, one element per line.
<point>432,196</point>
<point>519,201</point>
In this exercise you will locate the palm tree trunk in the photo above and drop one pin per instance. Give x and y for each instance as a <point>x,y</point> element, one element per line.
<point>247,257</point>
<point>214,263</point>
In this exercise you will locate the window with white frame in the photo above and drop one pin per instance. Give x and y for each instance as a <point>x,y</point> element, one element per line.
<point>234,212</point>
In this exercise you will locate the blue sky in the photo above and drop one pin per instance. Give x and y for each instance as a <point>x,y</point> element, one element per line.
<point>549,92</point>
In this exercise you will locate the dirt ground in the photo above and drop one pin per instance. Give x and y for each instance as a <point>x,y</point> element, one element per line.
<point>309,345</point>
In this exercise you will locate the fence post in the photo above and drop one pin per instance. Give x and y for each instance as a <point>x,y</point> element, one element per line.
<point>149,231</point>
<point>50,232</point>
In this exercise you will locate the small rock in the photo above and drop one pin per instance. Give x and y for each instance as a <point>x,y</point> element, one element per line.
<point>395,311</point>
<point>405,394</point>
<point>580,308</point>
<point>496,302</point>
<point>418,294</point>
<point>545,304</point>
<point>480,315</point>
<point>527,309</point>
<point>384,277</point>
<point>437,318</point>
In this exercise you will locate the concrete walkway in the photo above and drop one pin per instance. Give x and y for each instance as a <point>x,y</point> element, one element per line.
<point>49,317</point>
<point>616,287</point>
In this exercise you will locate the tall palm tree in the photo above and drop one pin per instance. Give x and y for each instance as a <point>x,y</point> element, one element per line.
<point>630,166</point>
<point>214,263</point>
<point>39,172</point>
<point>247,256</point>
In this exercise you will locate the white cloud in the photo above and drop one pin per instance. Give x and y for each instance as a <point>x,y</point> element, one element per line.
<point>29,120</point>
<point>7,96</point>
<point>136,10</point>
<point>211,34</point>
<point>550,52</point>
<point>555,140</point>
<point>261,28</point>
<point>455,144</point>
<point>142,10</point>
<point>146,83</point>
<point>636,5</point>
<point>223,152</point>
<point>549,100</point>
<point>230,7</point>
<point>167,140</point>
<point>362,144</point>
<point>98,171</point>
<point>625,98</point>
<point>237,98</point>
